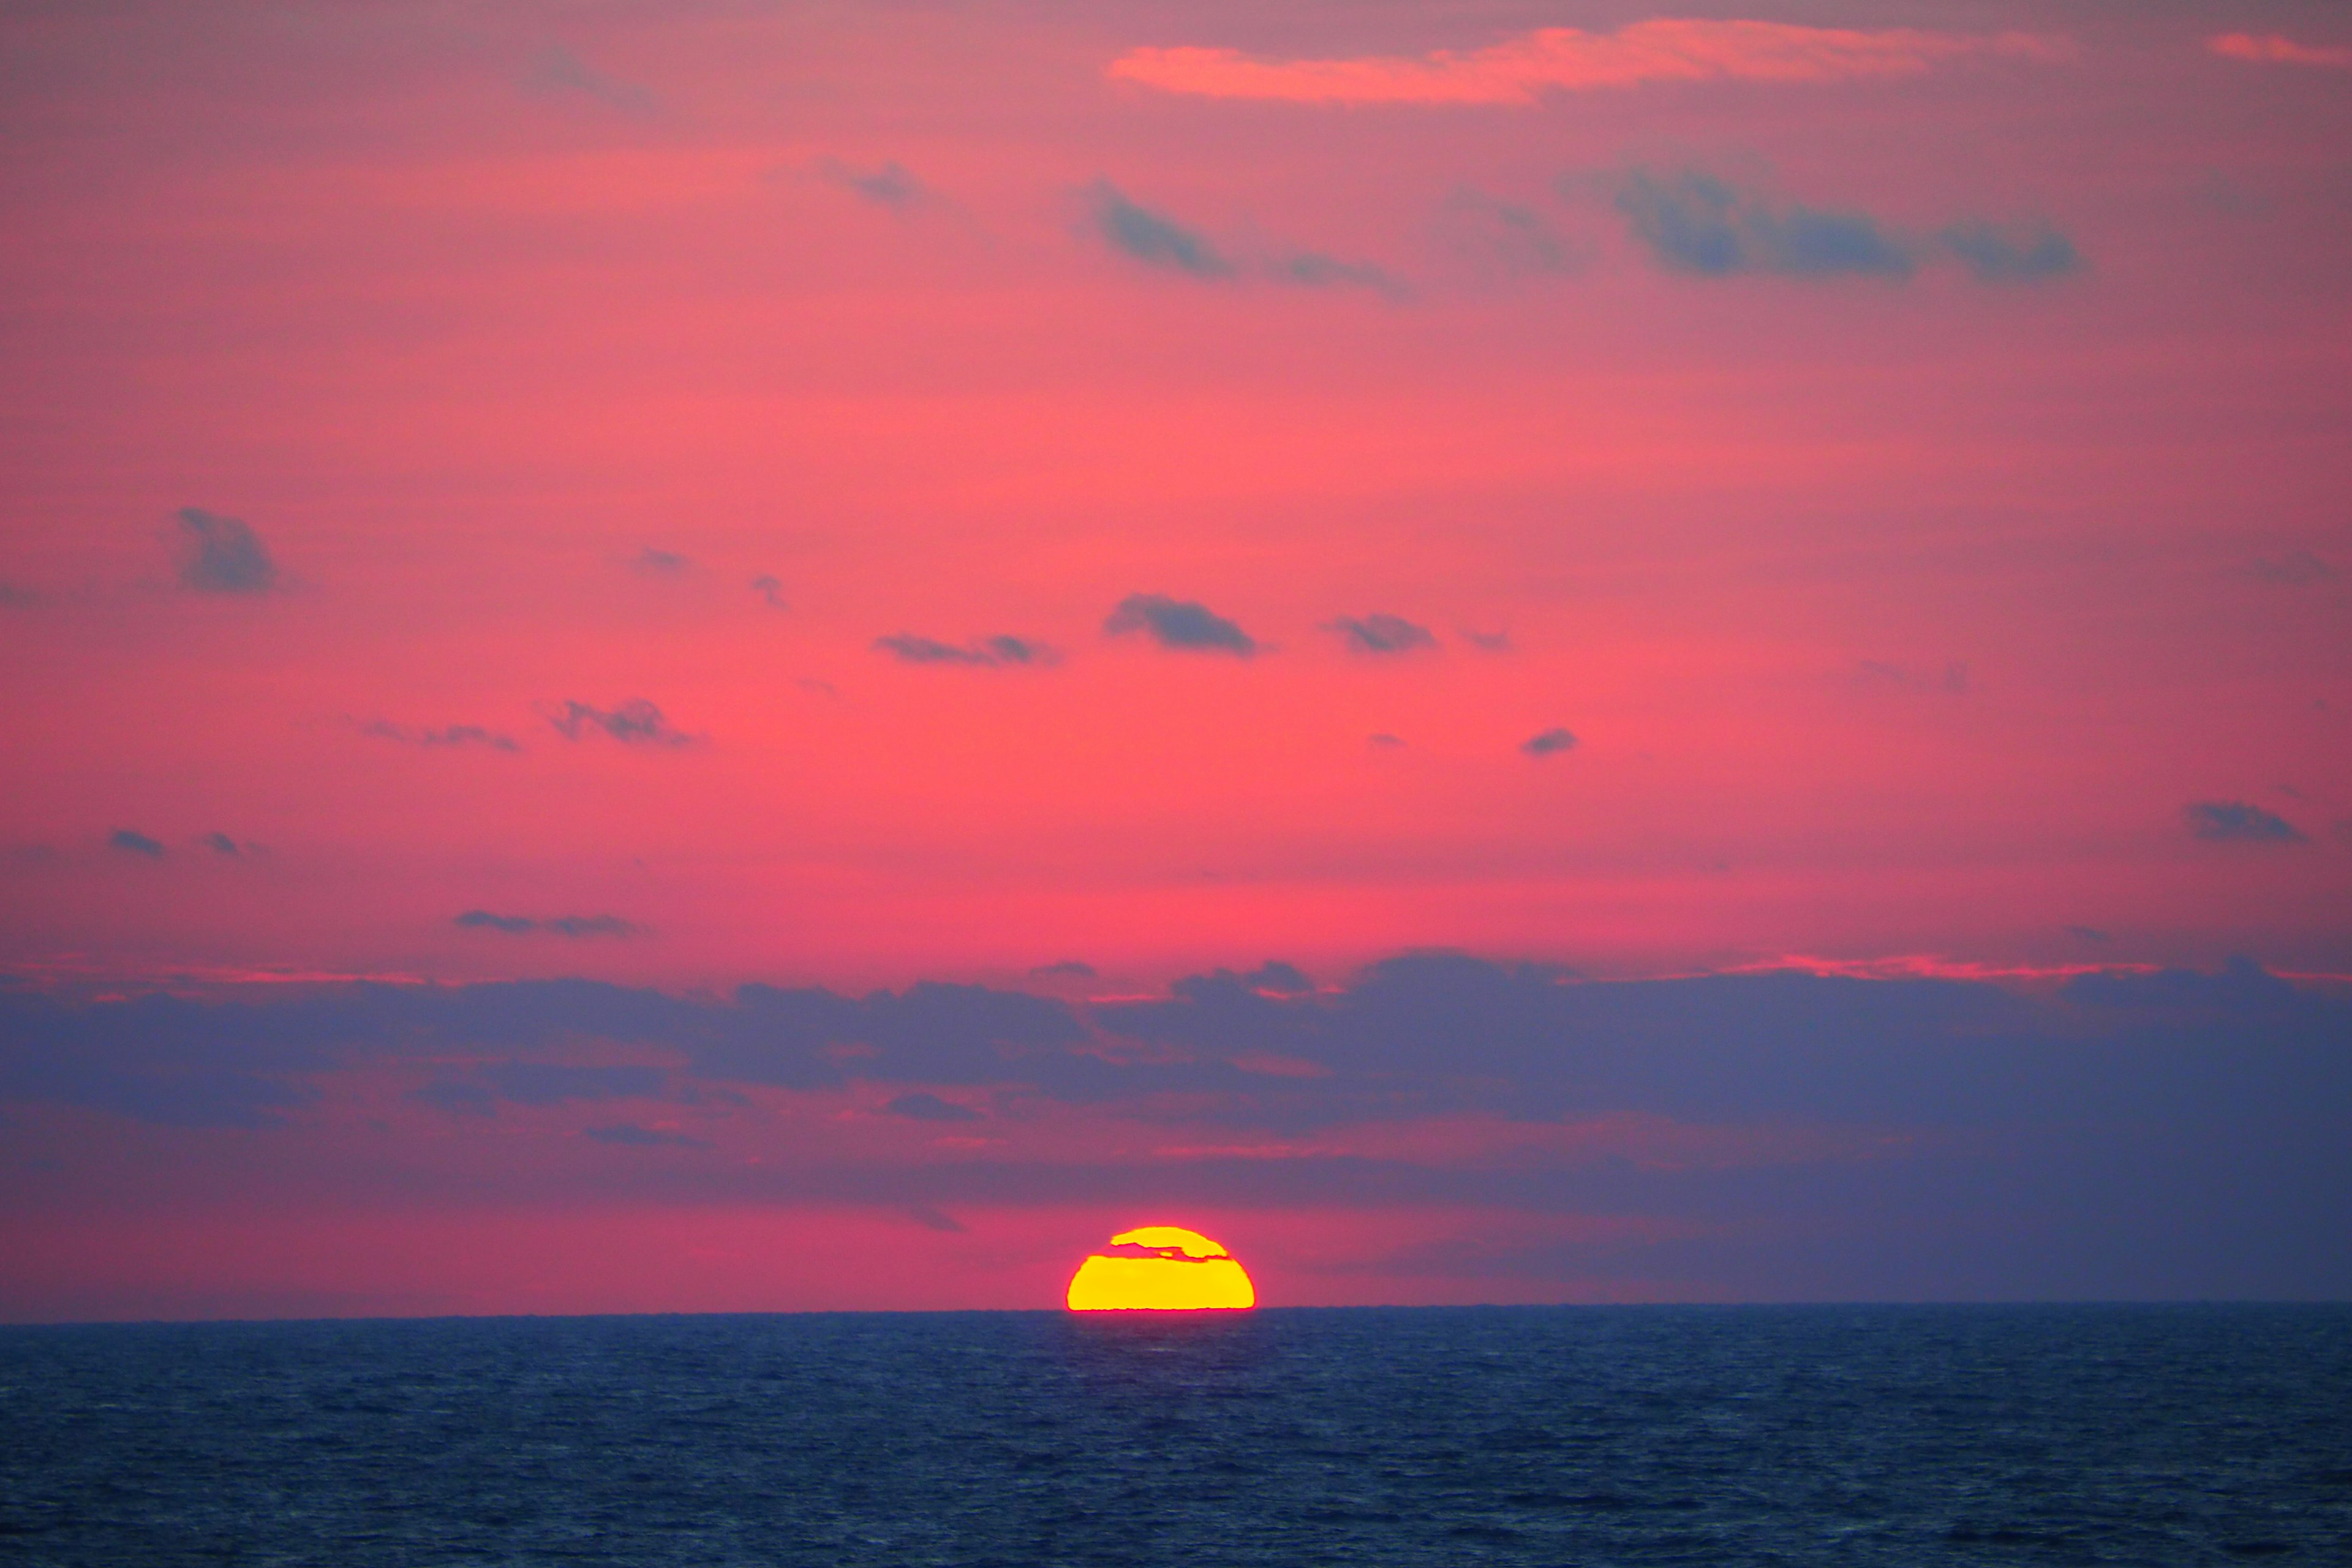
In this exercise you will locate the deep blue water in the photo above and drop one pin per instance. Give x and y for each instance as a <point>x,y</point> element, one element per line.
<point>1554,1435</point>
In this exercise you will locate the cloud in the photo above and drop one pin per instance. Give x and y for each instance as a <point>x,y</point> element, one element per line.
<point>996,651</point>
<point>447,735</point>
<point>1693,221</point>
<point>457,1098</point>
<point>1379,633</point>
<point>2236,822</point>
<point>628,1134</point>
<point>220,843</point>
<point>770,591</point>
<point>886,184</point>
<point>2293,570</point>
<point>635,722</point>
<point>931,1218</point>
<point>2034,253</point>
<point>15,597</point>
<point>553,1083</point>
<point>222,555</point>
<point>1384,740</point>
<point>1313,269</point>
<point>572,926</point>
<point>1145,236</point>
<point>2090,934</point>
<point>558,72</point>
<point>1179,624</point>
<point>1952,679</point>
<point>1487,642</point>
<point>132,842</point>
<point>1519,72</point>
<point>1503,236</point>
<point>1282,979</point>
<point>656,562</point>
<point>2272,49</point>
<point>1068,969</point>
<point>1549,742</point>
<point>921,1107</point>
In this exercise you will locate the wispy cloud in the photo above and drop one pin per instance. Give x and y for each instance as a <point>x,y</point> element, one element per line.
<point>1520,70</point>
<point>921,1107</point>
<point>2295,569</point>
<point>1548,743</point>
<point>133,842</point>
<point>629,1135</point>
<point>573,926</point>
<point>2273,48</point>
<point>557,72</point>
<point>635,722</point>
<point>1693,221</point>
<point>2029,253</point>
<point>222,555</point>
<point>1379,633</point>
<point>447,735</point>
<point>986,652</point>
<point>2239,822</point>
<point>1179,624</point>
<point>654,563</point>
<point>1152,238</point>
<point>770,591</point>
<point>886,184</point>
<point>222,844</point>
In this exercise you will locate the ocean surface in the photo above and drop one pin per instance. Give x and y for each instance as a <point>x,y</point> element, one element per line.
<point>1553,1435</point>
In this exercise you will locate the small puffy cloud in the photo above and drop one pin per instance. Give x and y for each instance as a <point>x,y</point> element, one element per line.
<point>635,722</point>
<point>1549,743</point>
<point>1520,70</point>
<point>132,842</point>
<point>2293,570</point>
<point>656,562</point>
<point>221,555</point>
<point>572,926</point>
<point>921,1107</point>
<point>629,1135</point>
<point>770,591</point>
<point>1179,624</point>
<point>560,73</point>
<point>1068,969</point>
<point>1379,633</point>
<point>886,184</point>
<point>2274,48</point>
<point>2238,822</point>
<point>2034,253</point>
<point>447,735</point>
<point>1144,236</point>
<point>1693,221</point>
<point>996,651</point>
<point>221,844</point>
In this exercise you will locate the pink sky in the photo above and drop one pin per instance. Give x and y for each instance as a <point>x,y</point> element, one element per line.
<point>1908,454</point>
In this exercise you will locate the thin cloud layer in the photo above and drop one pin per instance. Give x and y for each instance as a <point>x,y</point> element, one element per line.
<point>1521,70</point>
<point>574,926</point>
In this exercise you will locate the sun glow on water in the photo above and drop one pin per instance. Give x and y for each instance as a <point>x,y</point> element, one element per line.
<point>1161,1268</point>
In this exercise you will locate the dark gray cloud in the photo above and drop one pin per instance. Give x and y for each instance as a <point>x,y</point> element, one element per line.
<point>770,591</point>
<point>1547,744</point>
<point>1156,241</point>
<point>987,652</point>
<point>448,735</point>
<point>2295,569</point>
<point>923,1106</point>
<point>886,184</point>
<point>1068,969</point>
<point>635,722</point>
<point>222,555</point>
<point>557,72</point>
<point>2238,822</point>
<point>2031,253</point>
<point>1693,221</point>
<point>1379,633</point>
<point>133,842</point>
<point>629,1135</point>
<point>1179,624</point>
<point>560,925</point>
<point>655,563</point>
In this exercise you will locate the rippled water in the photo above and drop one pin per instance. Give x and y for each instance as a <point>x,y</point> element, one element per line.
<point>2134,1435</point>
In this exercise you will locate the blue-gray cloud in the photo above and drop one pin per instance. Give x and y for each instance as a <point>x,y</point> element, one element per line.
<point>987,652</point>
<point>654,563</point>
<point>221,555</point>
<point>222,844</point>
<point>559,925</point>
<point>770,591</point>
<point>923,1106</point>
<point>1502,236</point>
<point>1068,969</point>
<point>1379,633</point>
<point>15,597</point>
<point>1693,221</point>
<point>557,72</point>
<point>1157,241</point>
<point>2239,822</point>
<point>2295,569</point>
<point>2032,252</point>
<point>629,1135</point>
<point>1179,624</point>
<point>1549,743</point>
<point>635,722</point>
<point>1313,269</point>
<point>133,842</point>
<point>446,735</point>
<point>886,184</point>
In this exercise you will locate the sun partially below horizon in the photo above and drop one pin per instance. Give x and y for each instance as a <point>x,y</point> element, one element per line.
<point>1161,1268</point>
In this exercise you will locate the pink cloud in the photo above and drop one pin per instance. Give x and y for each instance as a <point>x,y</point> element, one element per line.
<point>2270,49</point>
<point>1519,71</point>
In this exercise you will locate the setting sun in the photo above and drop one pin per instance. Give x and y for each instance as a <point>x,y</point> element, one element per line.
<point>1161,1268</point>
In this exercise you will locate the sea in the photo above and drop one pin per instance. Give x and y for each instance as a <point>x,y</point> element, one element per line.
<point>2149,1434</point>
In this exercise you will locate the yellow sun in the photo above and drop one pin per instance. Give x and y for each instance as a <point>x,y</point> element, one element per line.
<point>1161,1268</point>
